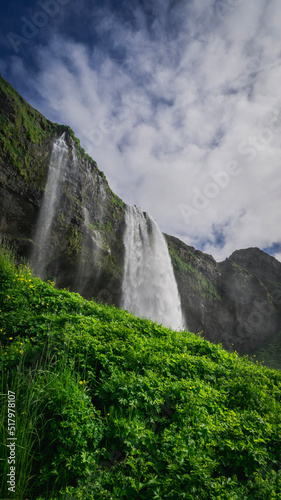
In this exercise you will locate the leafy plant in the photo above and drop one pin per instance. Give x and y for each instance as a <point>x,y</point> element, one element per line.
<point>114,406</point>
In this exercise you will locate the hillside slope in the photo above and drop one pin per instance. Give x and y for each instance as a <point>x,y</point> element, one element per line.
<point>236,302</point>
<point>110,406</point>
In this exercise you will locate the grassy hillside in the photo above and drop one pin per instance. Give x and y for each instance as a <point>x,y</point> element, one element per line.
<point>109,406</point>
<point>270,352</point>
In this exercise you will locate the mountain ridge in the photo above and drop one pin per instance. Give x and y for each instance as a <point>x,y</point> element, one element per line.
<point>235,302</point>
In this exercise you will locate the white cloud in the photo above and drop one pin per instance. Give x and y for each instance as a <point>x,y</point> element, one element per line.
<point>178,110</point>
<point>277,256</point>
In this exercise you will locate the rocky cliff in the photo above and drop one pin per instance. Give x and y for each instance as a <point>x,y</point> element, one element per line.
<point>236,302</point>
<point>85,250</point>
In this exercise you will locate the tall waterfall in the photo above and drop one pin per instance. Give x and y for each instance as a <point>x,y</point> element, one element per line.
<point>59,156</point>
<point>149,285</point>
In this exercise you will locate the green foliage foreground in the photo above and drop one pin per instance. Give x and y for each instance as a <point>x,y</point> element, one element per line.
<point>110,406</point>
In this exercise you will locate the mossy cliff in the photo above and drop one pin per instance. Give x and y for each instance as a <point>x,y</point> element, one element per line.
<point>236,302</point>
<point>89,219</point>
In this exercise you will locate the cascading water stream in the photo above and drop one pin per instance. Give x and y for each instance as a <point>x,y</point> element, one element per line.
<point>149,287</point>
<point>48,208</point>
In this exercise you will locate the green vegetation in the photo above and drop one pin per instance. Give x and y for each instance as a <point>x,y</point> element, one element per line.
<point>196,279</point>
<point>117,201</point>
<point>24,132</point>
<point>270,353</point>
<point>20,126</point>
<point>82,154</point>
<point>110,406</point>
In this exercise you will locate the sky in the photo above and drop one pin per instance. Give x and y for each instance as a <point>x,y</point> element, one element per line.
<point>178,101</point>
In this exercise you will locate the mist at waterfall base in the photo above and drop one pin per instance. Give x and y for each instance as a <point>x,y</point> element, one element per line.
<point>50,202</point>
<point>149,285</point>
<point>149,288</point>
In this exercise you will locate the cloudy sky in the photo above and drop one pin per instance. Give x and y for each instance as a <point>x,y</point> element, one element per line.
<point>178,101</point>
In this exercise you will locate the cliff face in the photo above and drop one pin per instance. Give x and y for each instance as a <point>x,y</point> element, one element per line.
<point>236,302</point>
<point>85,249</point>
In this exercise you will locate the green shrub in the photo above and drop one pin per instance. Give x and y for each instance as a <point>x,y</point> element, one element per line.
<point>161,414</point>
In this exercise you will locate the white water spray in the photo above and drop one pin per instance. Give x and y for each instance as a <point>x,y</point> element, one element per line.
<point>48,208</point>
<point>149,286</point>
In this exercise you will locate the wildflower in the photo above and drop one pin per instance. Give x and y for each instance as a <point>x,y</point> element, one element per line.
<point>10,338</point>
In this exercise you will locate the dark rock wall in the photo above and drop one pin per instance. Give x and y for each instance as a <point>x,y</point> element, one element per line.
<point>236,302</point>
<point>86,257</point>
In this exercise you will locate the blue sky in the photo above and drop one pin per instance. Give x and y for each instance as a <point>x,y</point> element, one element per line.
<point>177,101</point>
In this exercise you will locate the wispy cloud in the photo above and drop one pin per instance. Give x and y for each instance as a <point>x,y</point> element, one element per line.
<point>179,104</point>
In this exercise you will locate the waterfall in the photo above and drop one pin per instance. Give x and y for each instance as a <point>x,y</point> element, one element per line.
<point>149,287</point>
<point>49,205</point>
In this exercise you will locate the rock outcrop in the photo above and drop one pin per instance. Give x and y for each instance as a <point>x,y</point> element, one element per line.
<point>90,217</point>
<point>236,302</point>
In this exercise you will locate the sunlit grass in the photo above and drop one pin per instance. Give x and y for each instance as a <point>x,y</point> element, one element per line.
<point>113,406</point>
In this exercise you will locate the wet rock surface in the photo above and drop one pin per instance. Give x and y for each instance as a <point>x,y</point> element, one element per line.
<point>236,302</point>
